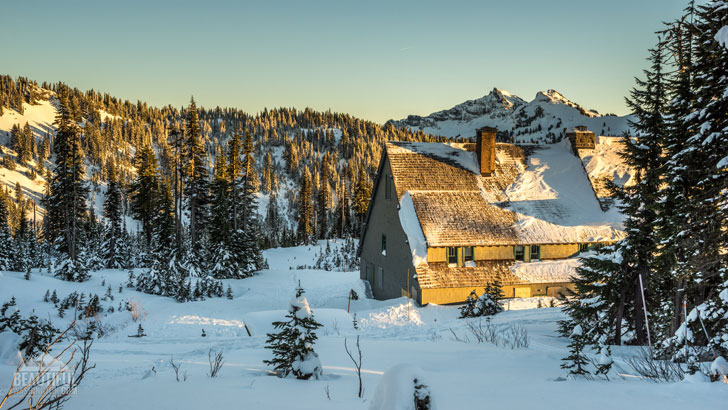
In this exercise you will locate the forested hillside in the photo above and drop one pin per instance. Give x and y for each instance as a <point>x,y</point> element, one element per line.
<point>89,177</point>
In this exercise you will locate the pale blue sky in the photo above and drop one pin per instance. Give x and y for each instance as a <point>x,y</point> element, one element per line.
<point>372,59</point>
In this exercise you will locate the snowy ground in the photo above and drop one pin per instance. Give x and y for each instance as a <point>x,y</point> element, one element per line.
<point>460,374</point>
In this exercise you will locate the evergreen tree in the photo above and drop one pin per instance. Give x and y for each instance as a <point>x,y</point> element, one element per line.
<point>700,169</point>
<point>322,202</point>
<point>66,204</point>
<point>6,240</point>
<point>222,262</point>
<point>611,284</point>
<point>305,209</point>
<point>362,195</point>
<point>197,179</point>
<point>144,191</point>
<point>112,252</point>
<point>292,345</point>
<point>273,220</point>
<point>488,304</point>
<point>467,310</point>
<point>576,362</point>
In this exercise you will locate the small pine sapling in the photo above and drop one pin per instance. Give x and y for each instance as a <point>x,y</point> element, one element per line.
<point>203,333</point>
<point>604,365</point>
<point>422,398</point>
<point>292,345</point>
<point>467,310</point>
<point>576,361</point>
<point>140,332</point>
<point>47,296</point>
<point>229,293</point>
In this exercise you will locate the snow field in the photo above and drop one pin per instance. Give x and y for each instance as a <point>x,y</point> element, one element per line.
<point>458,374</point>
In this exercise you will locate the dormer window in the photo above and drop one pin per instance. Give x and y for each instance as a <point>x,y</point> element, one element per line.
<point>452,256</point>
<point>468,256</point>
<point>520,253</point>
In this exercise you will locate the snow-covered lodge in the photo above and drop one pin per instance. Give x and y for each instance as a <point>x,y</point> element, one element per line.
<point>446,219</point>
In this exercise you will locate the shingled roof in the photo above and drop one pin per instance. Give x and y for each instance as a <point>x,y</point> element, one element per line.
<point>440,275</point>
<point>457,206</point>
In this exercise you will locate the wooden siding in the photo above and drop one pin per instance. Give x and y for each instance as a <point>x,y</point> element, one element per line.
<point>444,296</point>
<point>436,254</point>
<point>485,253</point>
<point>559,251</point>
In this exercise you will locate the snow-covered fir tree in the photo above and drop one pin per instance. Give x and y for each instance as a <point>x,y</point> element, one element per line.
<point>577,361</point>
<point>66,203</point>
<point>113,246</point>
<point>292,343</point>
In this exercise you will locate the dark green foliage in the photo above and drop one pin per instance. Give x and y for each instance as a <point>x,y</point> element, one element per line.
<point>293,342</point>
<point>305,210</point>
<point>115,235</point>
<point>197,183</point>
<point>576,362</point>
<point>36,334</point>
<point>468,308</point>
<point>144,192</point>
<point>422,396</point>
<point>66,203</point>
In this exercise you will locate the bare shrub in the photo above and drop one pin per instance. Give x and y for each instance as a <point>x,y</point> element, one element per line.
<point>515,337</point>
<point>216,360</point>
<point>53,378</point>
<point>176,367</point>
<point>645,365</point>
<point>136,310</point>
<point>357,363</point>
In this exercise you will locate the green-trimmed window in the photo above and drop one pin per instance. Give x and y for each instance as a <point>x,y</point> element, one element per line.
<point>535,252</point>
<point>519,252</point>
<point>452,255</point>
<point>468,255</point>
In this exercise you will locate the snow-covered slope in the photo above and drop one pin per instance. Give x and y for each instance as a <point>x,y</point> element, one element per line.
<point>458,370</point>
<point>542,120</point>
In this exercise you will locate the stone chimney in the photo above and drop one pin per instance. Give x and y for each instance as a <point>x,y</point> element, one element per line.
<point>485,150</point>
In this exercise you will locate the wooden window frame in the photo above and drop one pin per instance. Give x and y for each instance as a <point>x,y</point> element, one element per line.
<point>538,252</point>
<point>468,258</point>
<point>523,253</point>
<point>448,255</point>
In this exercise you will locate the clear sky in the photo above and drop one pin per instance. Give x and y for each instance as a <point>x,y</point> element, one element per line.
<point>372,59</point>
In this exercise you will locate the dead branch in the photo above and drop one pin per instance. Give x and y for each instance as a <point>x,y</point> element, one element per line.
<point>357,364</point>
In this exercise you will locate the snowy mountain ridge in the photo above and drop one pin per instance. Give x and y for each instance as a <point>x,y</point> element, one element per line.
<point>542,120</point>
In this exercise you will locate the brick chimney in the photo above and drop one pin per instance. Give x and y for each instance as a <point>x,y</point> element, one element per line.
<point>485,150</point>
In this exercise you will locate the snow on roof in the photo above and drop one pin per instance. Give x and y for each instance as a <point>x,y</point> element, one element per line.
<point>413,230</point>
<point>548,200</point>
<point>450,154</point>
<point>546,271</point>
<point>603,163</point>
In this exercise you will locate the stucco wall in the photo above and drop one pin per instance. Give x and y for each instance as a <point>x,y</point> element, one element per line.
<point>384,219</point>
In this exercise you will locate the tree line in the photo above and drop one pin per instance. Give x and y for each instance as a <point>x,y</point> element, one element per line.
<point>666,284</point>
